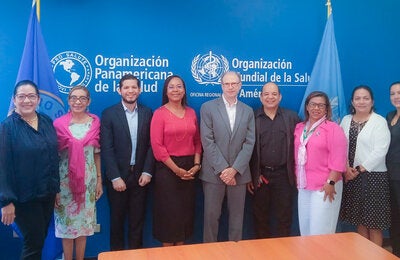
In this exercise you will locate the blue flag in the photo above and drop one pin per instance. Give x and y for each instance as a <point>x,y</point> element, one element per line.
<point>35,65</point>
<point>326,75</point>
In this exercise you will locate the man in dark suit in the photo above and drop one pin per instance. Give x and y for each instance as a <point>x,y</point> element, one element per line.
<point>272,165</point>
<point>128,161</point>
<point>227,135</point>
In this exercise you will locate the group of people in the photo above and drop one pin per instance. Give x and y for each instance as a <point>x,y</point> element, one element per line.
<point>347,172</point>
<point>339,171</point>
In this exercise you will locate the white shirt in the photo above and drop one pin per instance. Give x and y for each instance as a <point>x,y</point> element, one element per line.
<point>231,110</point>
<point>132,118</point>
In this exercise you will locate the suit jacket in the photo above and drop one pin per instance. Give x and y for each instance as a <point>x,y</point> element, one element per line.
<point>290,119</point>
<point>223,147</point>
<point>116,145</point>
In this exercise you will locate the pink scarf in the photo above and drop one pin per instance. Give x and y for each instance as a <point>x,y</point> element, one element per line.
<point>302,152</point>
<point>76,156</point>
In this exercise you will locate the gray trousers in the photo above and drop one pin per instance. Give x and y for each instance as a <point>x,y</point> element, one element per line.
<point>213,198</point>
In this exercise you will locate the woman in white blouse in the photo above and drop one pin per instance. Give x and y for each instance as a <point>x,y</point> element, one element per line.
<point>365,201</point>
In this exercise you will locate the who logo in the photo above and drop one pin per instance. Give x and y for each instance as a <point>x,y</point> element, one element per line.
<point>208,68</point>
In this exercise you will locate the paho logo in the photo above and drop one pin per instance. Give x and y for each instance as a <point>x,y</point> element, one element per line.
<point>208,68</point>
<point>71,69</point>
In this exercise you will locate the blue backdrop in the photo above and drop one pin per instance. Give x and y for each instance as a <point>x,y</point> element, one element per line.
<point>93,42</point>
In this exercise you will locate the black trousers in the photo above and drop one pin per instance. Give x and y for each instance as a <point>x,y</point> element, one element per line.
<point>33,219</point>
<point>130,206</point>
<point>395,215</point>
<point>272,204</point>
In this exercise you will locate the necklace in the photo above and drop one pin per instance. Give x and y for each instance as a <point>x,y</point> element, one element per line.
<point>178,129</point>
<point>30,121</point>
<point>360,125</point>
<point>394,120</point>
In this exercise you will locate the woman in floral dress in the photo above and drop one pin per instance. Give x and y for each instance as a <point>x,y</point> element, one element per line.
<point>80,176</point>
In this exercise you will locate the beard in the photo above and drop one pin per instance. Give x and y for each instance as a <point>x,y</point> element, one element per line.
<point>133,101</point>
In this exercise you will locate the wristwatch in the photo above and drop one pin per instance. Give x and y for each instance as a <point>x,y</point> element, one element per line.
<point>330,182</point>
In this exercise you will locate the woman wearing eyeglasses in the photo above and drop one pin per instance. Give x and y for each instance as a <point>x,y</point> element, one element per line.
<point>29,177</point>
<point>366,202</point>
<point>320,157</point>
<point>80,174</point>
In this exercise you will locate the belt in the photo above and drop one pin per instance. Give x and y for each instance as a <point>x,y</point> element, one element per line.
<point>132,168</point>
<point>273,168</point>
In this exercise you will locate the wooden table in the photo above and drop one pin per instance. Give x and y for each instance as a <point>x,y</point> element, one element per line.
<point>207,251</point>
<point>346,246</point>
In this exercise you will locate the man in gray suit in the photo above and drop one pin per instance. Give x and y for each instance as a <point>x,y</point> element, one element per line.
<point>227,135</point>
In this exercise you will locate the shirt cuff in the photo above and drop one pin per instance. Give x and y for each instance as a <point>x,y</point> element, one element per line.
<point>148,174</point>
<point>115,179</point>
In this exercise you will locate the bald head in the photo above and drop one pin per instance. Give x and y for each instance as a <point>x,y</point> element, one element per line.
<point>271,86</point>
<point>270,96</point>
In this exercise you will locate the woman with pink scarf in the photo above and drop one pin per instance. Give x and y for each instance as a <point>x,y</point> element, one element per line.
<point>320,157</point>
<point>80,173</point>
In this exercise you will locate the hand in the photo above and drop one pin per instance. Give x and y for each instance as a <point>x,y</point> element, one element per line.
<point>99,189</point>
<point>144,180</point>
<point>232,182</point>
<point>195,169</point>
<point>57,202</point>
<point>329,192</point>
<point>184,175</point>
<point>8,214</point>
<point>350,174</point>
<point>119,184</point>
<point>228,176</point>
<point>250,188</point>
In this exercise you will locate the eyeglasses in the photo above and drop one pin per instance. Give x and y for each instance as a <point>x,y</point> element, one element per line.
<point>171,87</point>
<point>233,84</point>
<point>316,105</point>
<point>22,97</point>
<point>81,99</point>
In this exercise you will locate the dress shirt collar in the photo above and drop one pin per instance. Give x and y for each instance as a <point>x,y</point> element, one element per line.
<point>227,103</point>
<point>126,109</point>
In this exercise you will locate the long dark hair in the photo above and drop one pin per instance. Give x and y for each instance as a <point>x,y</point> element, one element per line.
<point>164,94</point>
<point>352,109</point>
<point>26,82</point>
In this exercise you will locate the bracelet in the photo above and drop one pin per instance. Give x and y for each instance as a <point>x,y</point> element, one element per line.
<point>197,164</point>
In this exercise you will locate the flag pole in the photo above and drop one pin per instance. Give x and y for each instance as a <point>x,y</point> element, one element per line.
<point>329,8</point>
<point>37,8</point>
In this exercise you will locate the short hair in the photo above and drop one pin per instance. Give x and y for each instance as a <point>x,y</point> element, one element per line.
<point>231,72</point>
<point>327,103</point>
<point>126,77</point>
<point>164,94</point>
<point>78,87</point>
<point>367,88</point>
<point>25,82</point>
